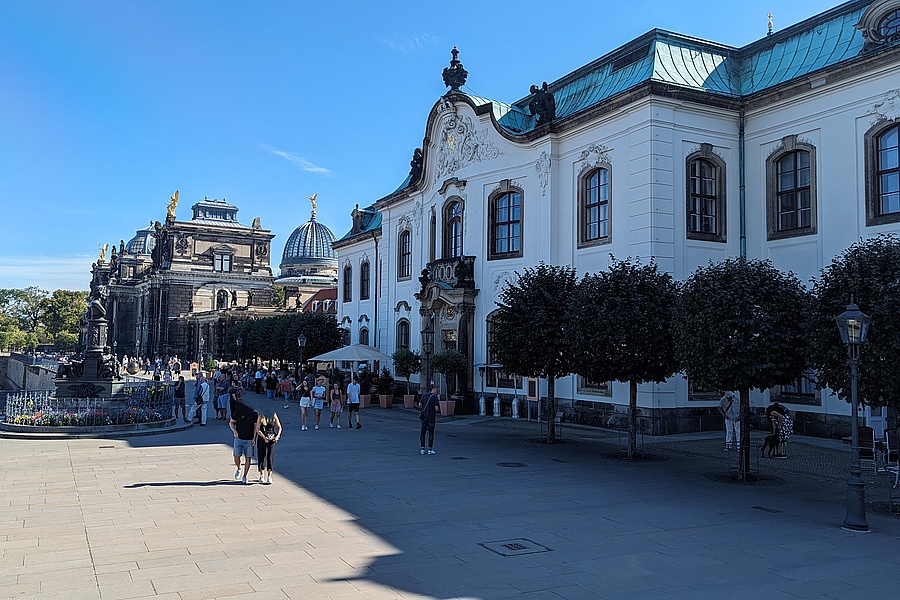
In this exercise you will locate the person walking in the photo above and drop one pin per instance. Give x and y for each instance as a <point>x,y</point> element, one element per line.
<point>782,426</point>
<point>305,402</point>
<point>258,380</point>
<point>179,399</point>
<point>353,403</point>
<point>428,417</point>
<point>336,405</point>
<point>271,385</point>
<point>317,394</point>
<point>269,434</point>
<point>201,401</point>
<point>730,408</point>
<point>244,424</point>
<point>287,387</point>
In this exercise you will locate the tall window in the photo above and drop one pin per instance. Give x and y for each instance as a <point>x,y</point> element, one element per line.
<point>453,230</point>
<point>221,300</point>
<point>705,196</point>
<point>364,281</point>
<point>791,190</point>
<point>888,171</point>
<point>402,334</point>
<point>404,263</point>
<point>348,284</point>
<point>222,263</point>
<point>506,225</point>
<point>364,336</point>
<point>595,206</point>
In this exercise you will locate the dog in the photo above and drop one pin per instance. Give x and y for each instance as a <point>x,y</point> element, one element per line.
<point>771,442</point>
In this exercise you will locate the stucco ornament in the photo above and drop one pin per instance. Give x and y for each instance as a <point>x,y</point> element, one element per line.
<point>542,166</point>
<point>460,144</point>
<point>594,156</point>
<point>887,109</point>
<point>502,278</point>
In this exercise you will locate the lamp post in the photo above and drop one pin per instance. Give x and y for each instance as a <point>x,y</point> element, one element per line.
<point>240,345</point>
<point>301,343</point>
<point>202,347</point>
<point>427,349</point>
<point>853,325</point>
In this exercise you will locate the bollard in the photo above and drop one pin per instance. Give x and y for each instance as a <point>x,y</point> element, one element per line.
<point>482,411</point>
<point>515,407</point>
<point>496,406</point>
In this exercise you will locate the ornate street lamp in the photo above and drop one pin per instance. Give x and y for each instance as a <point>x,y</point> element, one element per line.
<point>301,343</point>
<point>240,345</point>
<point>427,349</point>
<point>853,325</point>
<point>202,348</point>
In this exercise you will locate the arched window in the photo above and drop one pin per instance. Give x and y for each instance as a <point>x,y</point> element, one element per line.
<point>402,334</point>
<point>887,171</point>
<point>705,196</point>
<point>453,230</point>
<point>364,280</point>
<point>791,190</point>
<point>348,283</point>
<point>505,223</point>
<point>404,255</point>
<point>364,336</point>
<point>595,202</point>
<point>221,300</point>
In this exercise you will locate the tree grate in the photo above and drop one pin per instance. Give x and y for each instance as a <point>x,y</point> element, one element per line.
<point>515,547</point>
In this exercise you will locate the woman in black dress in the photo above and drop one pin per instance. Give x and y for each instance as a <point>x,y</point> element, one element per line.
<point>269,434</point>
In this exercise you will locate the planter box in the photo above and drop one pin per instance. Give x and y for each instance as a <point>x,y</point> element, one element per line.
<point>448,407</point>
<point>365,400</point>
<point>409,401</point>
<point>386,400</point>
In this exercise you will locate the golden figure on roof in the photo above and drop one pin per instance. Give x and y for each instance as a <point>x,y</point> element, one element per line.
<point>103,248</point>
<point>170,210</point>
<point>312,200</point>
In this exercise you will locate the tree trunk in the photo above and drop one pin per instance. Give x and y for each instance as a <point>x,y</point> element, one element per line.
<point>632,419</point>
<point>551,413</point>
<point>744,436</point>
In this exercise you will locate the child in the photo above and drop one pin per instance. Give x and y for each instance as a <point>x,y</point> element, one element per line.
<point>337,405</point>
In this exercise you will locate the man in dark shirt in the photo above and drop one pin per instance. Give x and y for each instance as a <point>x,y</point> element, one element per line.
<point>244,424</point>
<point>428,418</point>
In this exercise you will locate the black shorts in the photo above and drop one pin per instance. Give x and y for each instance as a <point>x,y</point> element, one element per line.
<point>353,407</point>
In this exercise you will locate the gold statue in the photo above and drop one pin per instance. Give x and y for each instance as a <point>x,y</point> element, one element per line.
<point>103,248</point>
<point>173,202</point>
<point>312,199</point>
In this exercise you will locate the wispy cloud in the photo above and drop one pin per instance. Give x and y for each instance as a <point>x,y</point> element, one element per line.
<point>411,44</point>
<point>46,272</point>
<point>300,161</point>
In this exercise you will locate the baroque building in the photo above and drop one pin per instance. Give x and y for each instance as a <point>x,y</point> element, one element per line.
<point>669,148</point>
<point>175,287</point>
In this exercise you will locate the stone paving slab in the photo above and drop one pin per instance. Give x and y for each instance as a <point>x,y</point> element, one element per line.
<point>360,514</point>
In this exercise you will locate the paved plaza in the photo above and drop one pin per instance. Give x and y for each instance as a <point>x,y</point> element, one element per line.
<point>495,514</point>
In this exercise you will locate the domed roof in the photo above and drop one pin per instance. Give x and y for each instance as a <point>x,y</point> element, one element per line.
<point>309,243</point>
<point>143,242</point>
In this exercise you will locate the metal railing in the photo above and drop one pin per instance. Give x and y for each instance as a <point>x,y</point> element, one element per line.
<point>139,403</point>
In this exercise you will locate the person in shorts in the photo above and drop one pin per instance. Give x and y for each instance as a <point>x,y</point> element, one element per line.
<point>336,405</point>
<point>317,394</point>
<point>244,425</point>
<point>353,403</point>
<point>304,405</point>
<point>287,387</point>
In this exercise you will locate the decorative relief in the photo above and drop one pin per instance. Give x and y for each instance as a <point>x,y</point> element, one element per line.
<point>593,157</point>
<point>402,305</point>
<point>262,251</point>
<point>404,223</point>
<point>347,263</point>
<point>705,151</point>
<point>886,110</point>
<point>789,143</point>
<point>182,244</point>
<point>502,278</point>
<point>417,214</point>
<point>460,144</point>
<point>542,166</point>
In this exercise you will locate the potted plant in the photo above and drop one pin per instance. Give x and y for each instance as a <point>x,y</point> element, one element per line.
<point>407,362</point>
<point>385,388</point>
<point>365,388</point>
<point>449,363</point>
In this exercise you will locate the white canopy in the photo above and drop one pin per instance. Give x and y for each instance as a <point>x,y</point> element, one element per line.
<point>355,353</point>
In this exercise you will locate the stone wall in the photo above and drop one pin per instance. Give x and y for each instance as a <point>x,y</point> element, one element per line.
<point>19,376</point>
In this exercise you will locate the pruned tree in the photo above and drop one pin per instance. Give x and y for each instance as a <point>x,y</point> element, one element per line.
<point>450,363</point>
<point>740,325</point>
<point>532,331</point>
<point>869,273</point>
<point>406,362</point>
<point>625,319</point>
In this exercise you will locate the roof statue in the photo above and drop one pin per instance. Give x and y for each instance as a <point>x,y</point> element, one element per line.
<point>455,75</point>
<point>542,104</point>
<point>170,210</point>
<point>103,248</point>
<point>771,24</point>
<point>312,200</point>
<point>415,165</point>
<point>257,224</point>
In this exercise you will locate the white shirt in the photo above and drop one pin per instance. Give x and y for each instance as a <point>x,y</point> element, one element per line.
<point>204,391</point>
<point>353,393</point>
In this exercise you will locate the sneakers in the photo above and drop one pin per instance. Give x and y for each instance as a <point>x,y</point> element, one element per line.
<point>268,479</point>
<point>244,480</point>
<point>432,452</point>
<point>316,427</point>
<point>331,425</point>
<point>237,474</point>
<point>339,425</point>
<point>359,425</point>
<point>262,477</point>
<point>422,451</point>
<point>303,428</point>
<point>285,406</point>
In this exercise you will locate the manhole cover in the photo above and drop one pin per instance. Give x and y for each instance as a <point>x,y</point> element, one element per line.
<point>458,458</point>
<point>515,547</point>
<point>637,457</point>
<point>752,478</point>
<point>545,441</point>
<point>511,464</point>
<point>103,447</point>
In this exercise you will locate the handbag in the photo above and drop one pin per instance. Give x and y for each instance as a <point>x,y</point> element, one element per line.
<point>422,411</point>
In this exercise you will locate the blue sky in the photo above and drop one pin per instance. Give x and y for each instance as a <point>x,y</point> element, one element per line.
<point>108,106</point>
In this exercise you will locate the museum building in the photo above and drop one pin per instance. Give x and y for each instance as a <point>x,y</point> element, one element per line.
<point>670,148</point>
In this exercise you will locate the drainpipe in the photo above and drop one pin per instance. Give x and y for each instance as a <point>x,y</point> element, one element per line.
<point>377,279</point>
<point>743,186</point>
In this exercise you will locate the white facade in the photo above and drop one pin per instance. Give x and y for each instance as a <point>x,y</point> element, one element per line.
<point>645,137</point>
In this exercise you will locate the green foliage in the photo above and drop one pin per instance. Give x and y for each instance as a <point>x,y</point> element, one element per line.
<point>740,325</point>
<point>278,296</point>
<point>276,337</point>
<point>63,312</point>
<point>868,272</point>
<point>450,363</point>
<point>406,362</point>
<point>64,341</point>
<point>385,381</point>
<point>27,306</point>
